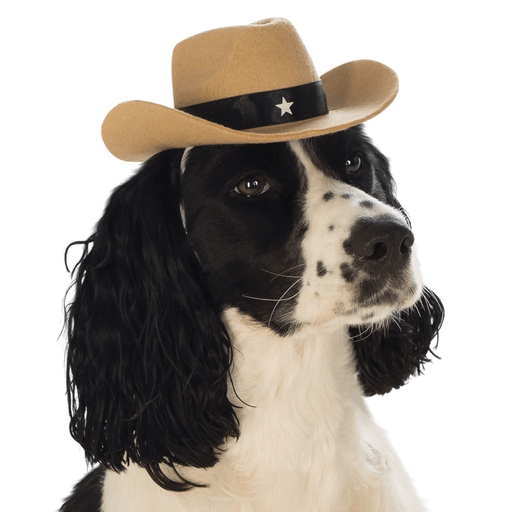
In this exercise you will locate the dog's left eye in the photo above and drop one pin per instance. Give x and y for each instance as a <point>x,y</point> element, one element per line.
<point>353,164</point>
<point>253,185</point>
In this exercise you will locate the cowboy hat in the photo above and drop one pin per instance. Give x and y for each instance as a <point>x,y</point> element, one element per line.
<point>248,84</point>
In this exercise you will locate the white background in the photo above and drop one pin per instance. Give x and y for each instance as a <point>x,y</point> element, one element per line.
<point>65,64</point>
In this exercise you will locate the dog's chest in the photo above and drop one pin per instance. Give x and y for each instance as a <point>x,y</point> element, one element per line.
<point>300,419</point>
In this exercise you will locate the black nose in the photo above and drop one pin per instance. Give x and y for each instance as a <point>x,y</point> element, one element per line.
<point>380,243</point>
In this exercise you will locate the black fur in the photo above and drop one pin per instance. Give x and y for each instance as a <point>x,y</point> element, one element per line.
<point>149,359</point>
<point>386,358</point>
<point>87,494</point>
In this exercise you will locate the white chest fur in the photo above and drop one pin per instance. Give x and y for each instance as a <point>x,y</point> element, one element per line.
<point>307,444</point>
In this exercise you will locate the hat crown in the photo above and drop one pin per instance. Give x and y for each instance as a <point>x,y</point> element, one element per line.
<point>234,61</point>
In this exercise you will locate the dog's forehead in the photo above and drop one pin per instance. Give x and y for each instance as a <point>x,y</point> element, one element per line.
<point>211,167</point>
<point>214,163</point>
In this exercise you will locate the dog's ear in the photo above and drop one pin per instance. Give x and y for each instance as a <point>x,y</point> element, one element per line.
<point>387,357</point>
<point>148,358</point>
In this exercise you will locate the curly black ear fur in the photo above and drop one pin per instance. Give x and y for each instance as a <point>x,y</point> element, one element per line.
<point>148,358</point>
<point>387,357</point>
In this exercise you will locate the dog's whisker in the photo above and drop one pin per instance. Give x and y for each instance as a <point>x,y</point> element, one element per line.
<point>280,275</point>
<point>259,298</point>
<point>284,274</point>
<point>428,296</point>
<point>282,299</point>
<point>362,335</point>
<point>395,318</point>
<point>271,300</point>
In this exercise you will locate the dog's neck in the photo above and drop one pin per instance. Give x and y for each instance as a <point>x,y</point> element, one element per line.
<point>300,407</point>
<point>299,387</point>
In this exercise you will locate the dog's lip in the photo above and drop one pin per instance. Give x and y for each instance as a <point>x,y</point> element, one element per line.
<point>385,292</point>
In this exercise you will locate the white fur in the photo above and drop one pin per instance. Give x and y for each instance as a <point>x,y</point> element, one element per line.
<point>308,441</point>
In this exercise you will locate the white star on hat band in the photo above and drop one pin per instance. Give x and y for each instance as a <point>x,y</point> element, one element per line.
<point>285,107</point>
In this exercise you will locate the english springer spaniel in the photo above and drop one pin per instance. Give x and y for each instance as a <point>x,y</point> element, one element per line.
<point>231,310</point>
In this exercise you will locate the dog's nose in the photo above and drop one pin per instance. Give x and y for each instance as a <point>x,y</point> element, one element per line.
<point>380,243</point>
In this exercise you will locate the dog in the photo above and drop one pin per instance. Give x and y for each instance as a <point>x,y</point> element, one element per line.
<point>232,309</point>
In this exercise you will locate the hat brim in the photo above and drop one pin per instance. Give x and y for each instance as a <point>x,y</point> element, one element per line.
<point>356,91</point>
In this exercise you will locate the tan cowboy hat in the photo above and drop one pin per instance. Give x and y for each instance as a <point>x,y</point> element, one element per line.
<point>248,84</point>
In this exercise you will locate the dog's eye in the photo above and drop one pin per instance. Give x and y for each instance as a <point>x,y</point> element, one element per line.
<point>253,185</point>
<point>353,164</point>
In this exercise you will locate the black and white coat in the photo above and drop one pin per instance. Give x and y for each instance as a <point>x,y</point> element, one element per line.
<point>232,308</point>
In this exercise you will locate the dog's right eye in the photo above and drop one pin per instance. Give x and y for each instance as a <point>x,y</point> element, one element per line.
<point>253,185</point>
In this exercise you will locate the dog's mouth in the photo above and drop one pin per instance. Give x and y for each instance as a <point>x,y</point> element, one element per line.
<point>390,291</point>
<point>377,299</point>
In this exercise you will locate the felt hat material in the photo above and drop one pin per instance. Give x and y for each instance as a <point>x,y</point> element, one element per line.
<point>248,84</point>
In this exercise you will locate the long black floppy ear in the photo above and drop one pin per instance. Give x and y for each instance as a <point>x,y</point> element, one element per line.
<point>387,357</point>
<point>148,358</point>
